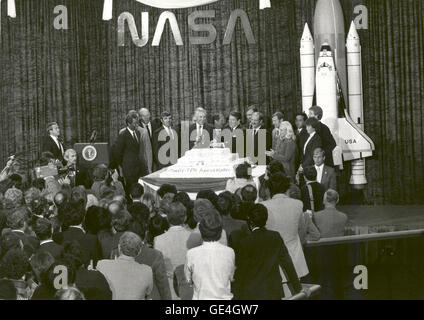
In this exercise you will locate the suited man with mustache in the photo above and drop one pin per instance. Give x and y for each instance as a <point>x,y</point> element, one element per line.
<point>326,175</point>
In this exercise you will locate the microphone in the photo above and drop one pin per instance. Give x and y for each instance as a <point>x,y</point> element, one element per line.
<point>93,136</point>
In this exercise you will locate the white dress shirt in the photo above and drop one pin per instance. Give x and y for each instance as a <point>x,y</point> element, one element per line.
<point>199,129</point>
<point>169,132</point>
<point>56,140</point>
<point>307,141</point>
<point>210,267</point>
<point>320,170</point>
<point>134,135</point>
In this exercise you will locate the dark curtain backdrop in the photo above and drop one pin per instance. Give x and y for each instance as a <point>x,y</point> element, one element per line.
<point>83,80</point>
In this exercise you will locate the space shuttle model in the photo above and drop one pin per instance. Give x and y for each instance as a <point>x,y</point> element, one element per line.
<point>331,74</point>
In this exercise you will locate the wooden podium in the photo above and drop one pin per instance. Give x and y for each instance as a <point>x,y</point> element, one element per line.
<point>90,155</point>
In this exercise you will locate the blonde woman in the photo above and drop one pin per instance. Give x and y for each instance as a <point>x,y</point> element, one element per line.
<point>285,149</point>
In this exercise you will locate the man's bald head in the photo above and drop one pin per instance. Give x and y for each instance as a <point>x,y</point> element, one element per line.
<point>144,115</point>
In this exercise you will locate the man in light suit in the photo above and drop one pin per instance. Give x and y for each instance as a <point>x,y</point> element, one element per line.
<point>284,215</point>
<point>326,175</point>
<point>128,279</point>
<point>201,131</point>
<point>165,135</point>
<point>330,221</point>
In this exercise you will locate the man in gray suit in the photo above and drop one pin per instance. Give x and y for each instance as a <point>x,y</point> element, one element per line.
<point>330,221</point>
<point>128,279</point>
<point>284,216</point>
<point>326,175</point>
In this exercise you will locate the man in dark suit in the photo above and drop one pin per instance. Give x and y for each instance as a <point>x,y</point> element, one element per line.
<point>301,135</point>
<point>51,143</point>
<point>165,135</point>
<point>233,131</point>
<point>328,142</point>
<point>258,262</point>
<point>313,142</point>
<point>200,132</point>
<point>126,153</point>
<point>43,230</point>
<point>326,175</point>
<point>258,139</point>
<point>73,216</point>
<point>314,203</point>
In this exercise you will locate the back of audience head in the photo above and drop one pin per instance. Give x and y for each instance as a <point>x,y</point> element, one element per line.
<point>10,241</point>
<point>210,225</point>
<point>136,192</point>
<point>14,265</point>
<point>60,199</point>
<point>43,229</point>
<point>71,214</point>
<point>177,214</point>
<point>257,216</point>
<point>275,166</point>
<point>249,193</point>
<point>18,219</point>
<point>310,173</point>
<point>244,171</point>
<point>209,195</point>
<point>331,198</point>
<point>41,262</point>
<point>70,293</point>
<point>13,198</point>
<point>183,198</point>
<point>200,207</point>
<point>114,207</point>
<point>278,183</point>
<point>225,202</point>
<point>157,226</point>
<point>121,221</point>
<point>130,244</point>
<point>79,195</point>
<point>166,188</point>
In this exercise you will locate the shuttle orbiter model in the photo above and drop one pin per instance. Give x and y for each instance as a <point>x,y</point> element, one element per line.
<point>331,71</point>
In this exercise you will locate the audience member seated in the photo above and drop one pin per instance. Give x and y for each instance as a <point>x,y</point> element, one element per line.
<point>73,215</point>
<point>330,221</point>
<point>14,266</point>
<point>155,260</point>
<point>326,175</point>
<point>92,283</point>
<point>201,207</point>
<point>17,221</point>
<point>47,288</point>
<point>43,229</point>
<point>258,260</point>
<point>183,198</point>
<point>229,224</point>
<point>283,216</point>
<point>210,266</point>
<point>120,223</point>
<point>173,243</point>
<point>243,177</point>
<point>312,187</point>
<point>40,262</point>
<point>128,279</point>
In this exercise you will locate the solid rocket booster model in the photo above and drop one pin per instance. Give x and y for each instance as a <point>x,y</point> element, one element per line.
<point>331,71</point>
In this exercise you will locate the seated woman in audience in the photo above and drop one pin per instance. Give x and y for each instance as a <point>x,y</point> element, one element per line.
<point>210,266</point>
<point>285,149</point>
<point>243,177</point>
